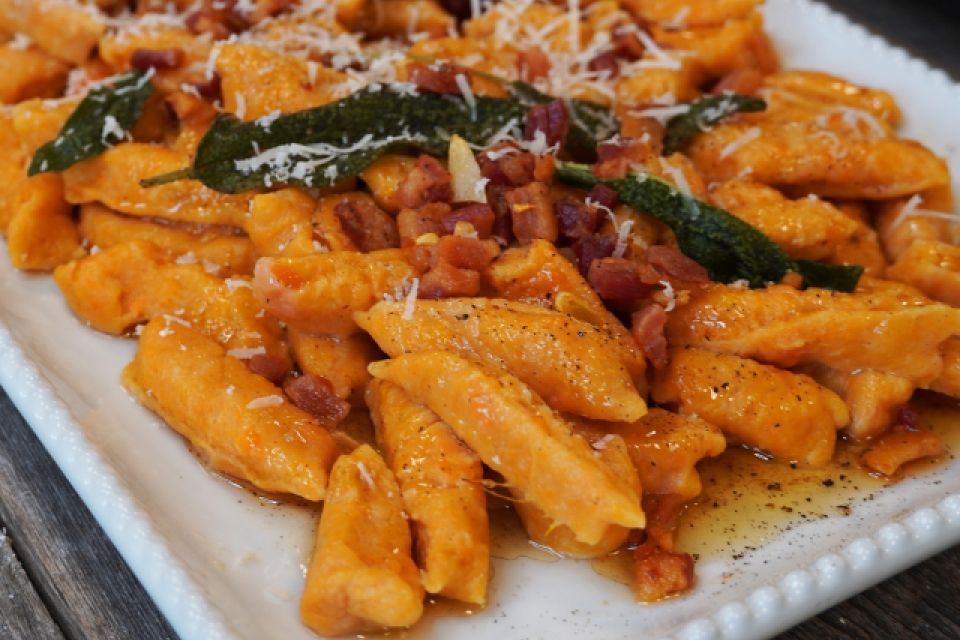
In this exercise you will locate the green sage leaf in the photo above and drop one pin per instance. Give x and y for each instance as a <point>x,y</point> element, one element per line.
<point>321,146</point>
<point>102,119</point>
<point>728,248</point>
<point>703,114</point>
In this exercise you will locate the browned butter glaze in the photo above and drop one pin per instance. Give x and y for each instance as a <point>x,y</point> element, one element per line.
<point>748,500</point>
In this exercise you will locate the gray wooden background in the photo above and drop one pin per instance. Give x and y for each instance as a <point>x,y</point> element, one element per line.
<point>61,578</point>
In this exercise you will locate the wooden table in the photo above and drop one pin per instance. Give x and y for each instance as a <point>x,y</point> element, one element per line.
<point>60,577</point>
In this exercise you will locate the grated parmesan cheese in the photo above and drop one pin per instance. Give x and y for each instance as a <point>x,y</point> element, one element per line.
<point>670,294</point>
<point>241,105</point>
<point>602,443</point>
<point>662,114</point>
<point>20,42</point>
<point>245,353</point>
<point>267,121</point>
<point>236,283</point>
<point>268,401</point>
<point>411,300</point>
<point>111,127</point>
<point>743,140</point>
<point>912,210</point>
<point>622,235</point>
<point>678,21</point>
<point>365,475</point>
<point>676,174</point>
<point>468,96</point>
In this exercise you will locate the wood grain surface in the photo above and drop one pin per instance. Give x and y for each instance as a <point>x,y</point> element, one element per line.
<point>68,581</point>
<point>87,587</point>
<point>22,614</point>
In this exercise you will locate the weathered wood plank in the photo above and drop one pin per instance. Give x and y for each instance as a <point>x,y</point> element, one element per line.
<point>90,592</point>
<point>22,614</point>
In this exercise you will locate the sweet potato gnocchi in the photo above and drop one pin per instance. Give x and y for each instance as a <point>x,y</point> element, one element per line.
<point>554,254</point>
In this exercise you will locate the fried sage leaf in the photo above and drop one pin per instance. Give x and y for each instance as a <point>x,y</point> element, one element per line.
<point>321,146</point>
<point>703,114</point>
<point>101,120</point>
<point>727,247</point>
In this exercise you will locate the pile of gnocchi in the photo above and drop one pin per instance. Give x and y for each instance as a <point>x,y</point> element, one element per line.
<point>397,332</point>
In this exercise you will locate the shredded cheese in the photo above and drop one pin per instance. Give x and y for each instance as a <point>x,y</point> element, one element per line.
<point>245,353</point>
<point>236,283</point>
<point>670,294</point>
<point>365,474</point>
<point>661,114</point>
<point>268,401</point>
<point>241,105</point>
<point>409,304</point>
<point>743,140</point>
<point>468,96</point>
<point>602,443</point>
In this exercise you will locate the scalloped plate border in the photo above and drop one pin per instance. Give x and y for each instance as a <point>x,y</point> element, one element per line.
<point>766,610</point>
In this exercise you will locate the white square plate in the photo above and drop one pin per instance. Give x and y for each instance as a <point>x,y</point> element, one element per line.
<point>221,564</point>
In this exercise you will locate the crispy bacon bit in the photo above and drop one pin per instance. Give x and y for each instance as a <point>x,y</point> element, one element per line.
<point>663,517</point>
<point>421,257</point>
<point>413,223</point>
<point>661,574</point>
<point>460,9</point>
<point>489,161</point>
<point>533,64</point>
<point>544,168</point>
<point>144,59</point>
<point>604,196</point>
<point>315,395</point>
<point>616,159</point>
<point>605,63</point>
<point>742,82</point>
<point>217,18</point>
<point>467,253</point>
<point>367,225</point>
<point>440,79</point>
<point>626,43</point>
<point>503,224</point>
<point>532,213</point>
<point>519,169</point>
<point>504,164</point>
<point>448,281</point>
<point>574,218</point>
<point>427,182</point>
<point>272,367</point>
<point>675,266</point>
<point>551,119</point>
<point>212,88</point>
<point>481,216</point>
<point>590,248</point>
<point>648,324</point>
<point>617,279</point>
<point>899,446</point>
<point>908,417</point>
